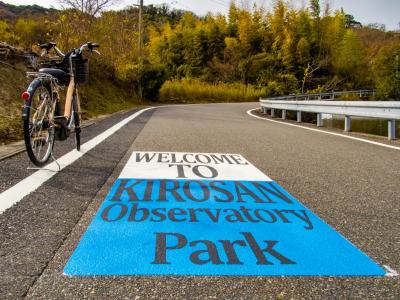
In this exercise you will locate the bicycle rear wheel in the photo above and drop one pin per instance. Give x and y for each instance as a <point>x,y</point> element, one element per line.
<point>38,125</point>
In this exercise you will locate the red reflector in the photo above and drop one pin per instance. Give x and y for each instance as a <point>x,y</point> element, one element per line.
<point>25,96</point>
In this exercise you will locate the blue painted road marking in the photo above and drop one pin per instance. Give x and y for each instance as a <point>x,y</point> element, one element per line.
<point>211,227</point>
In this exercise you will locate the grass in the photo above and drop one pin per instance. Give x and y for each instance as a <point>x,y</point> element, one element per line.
<point>196,91</point>
<point>12,83</point>
<point>102,96</point>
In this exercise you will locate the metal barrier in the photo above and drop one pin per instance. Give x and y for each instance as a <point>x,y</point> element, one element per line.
<point>326,96</point>
<point>388,110</point>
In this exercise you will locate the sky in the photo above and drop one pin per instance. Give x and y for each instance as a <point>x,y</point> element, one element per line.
<point>365,11</point>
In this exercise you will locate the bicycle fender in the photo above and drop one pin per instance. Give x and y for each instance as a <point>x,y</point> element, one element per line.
<point>32,87</point>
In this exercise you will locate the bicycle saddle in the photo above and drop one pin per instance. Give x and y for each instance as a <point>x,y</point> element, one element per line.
<point>63,77</point>
<point>48,46</point>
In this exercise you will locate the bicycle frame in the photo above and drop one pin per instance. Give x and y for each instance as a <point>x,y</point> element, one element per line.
<point>72,88</point>
<point>68,100</point>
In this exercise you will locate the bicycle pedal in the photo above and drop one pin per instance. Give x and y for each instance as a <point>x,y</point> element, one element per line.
<point>62,131</point>
<point>60,120</point>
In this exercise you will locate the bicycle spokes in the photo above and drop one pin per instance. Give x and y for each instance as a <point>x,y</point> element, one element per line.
<point>40,124</point>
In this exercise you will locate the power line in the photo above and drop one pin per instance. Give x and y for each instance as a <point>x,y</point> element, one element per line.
<point>174,2</point>
<point>219,2</point>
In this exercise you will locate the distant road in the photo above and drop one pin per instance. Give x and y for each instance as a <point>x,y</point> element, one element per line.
<point>351,185</point>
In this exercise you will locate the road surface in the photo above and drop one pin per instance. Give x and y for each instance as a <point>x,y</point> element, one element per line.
<point>353,186</point>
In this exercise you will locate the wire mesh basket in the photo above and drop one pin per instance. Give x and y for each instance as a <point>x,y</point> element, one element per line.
<point>80,67</point>
<point>81,70</point>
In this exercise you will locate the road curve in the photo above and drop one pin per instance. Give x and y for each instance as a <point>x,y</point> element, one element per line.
<point>351,185</point>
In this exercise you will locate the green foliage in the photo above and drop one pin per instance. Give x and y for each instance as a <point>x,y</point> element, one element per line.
<point>303,52</point>
<point>216,43</point>
<point>198,56</point>
<point>282,85</point>
<point>386,71</point>
<point>152,78</point>
<point>350,60</point>
<point>315,8</point>
<point>351,22</point>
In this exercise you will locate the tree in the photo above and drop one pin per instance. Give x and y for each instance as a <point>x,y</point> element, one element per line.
<point>288,51</point>
<point>386,72</point>
<point>303,52</point>
<point>277,24</point>
<point>90,7</point>
<point>199,52</point>
<point>351,22</point>
<point>233,19</point>
<point>315,8</point>
<point>216,42</point>
<point>350,59</point>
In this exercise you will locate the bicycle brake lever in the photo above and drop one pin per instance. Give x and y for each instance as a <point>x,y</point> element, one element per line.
<point>96,52</point>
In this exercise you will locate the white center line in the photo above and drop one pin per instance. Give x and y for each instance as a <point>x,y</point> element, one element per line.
<point>249,112</point>
<point>31,183</point>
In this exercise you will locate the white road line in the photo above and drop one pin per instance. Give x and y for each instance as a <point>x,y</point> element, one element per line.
<point>390,272</point>
<point>26,186</point>
<point>249,112</point>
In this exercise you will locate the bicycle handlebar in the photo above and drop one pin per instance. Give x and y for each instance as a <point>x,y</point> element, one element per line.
<point>89,46</point>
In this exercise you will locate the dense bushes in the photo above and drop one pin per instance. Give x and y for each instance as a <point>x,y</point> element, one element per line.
<point>196,91</point>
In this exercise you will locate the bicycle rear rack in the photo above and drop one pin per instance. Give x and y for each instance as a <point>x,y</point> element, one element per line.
<point>40,75</point>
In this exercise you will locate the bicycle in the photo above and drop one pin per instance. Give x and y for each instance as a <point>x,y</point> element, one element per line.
<point>42,119</point>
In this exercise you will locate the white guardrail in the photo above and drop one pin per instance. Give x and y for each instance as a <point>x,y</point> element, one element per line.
<point>328,96</point>
<point>388,110</point>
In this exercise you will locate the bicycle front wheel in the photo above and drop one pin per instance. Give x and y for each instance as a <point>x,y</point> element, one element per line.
<point>39,124</point>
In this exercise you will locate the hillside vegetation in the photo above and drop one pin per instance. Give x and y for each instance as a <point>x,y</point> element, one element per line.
<point>238,57</point>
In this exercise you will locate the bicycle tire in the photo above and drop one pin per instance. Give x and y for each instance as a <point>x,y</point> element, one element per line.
<point>38,130</point>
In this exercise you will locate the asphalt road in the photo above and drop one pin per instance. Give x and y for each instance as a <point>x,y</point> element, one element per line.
<point>353,186</point>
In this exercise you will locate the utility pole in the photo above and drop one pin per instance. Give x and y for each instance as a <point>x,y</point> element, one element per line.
<point>140,27</point>
<point>397,78</point>
<point>140,47</point>
<point>140,89</point>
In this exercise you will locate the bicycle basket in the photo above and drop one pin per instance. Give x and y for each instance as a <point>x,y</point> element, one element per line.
<point>81,69</point>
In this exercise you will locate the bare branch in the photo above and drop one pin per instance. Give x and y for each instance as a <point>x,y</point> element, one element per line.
<point>90,7</point>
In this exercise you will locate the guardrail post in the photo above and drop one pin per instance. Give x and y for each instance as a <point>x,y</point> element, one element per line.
<point>264,110</point>
<point>392,129</point>
<point>299,117</point>
<point>272,113</point>
<point>319,120</point>
<point>347,126</point>
<point>283,114</point>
